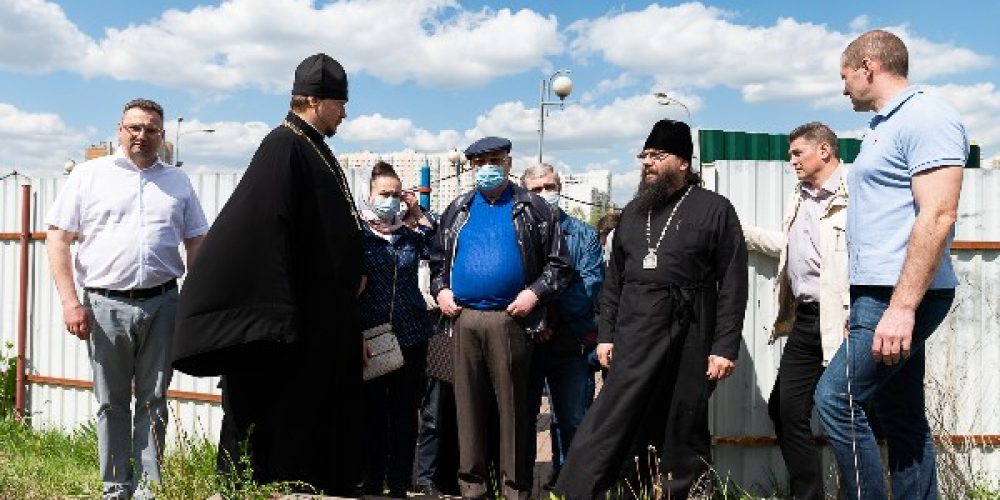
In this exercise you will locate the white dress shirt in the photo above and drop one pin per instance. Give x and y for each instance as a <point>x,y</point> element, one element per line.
<point>131,222</point>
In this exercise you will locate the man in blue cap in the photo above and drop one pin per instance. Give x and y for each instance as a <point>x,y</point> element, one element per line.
<point>498,254</point>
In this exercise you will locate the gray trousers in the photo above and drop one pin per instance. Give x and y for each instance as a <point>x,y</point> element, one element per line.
<point>492,360</point>
<point>130,343</point>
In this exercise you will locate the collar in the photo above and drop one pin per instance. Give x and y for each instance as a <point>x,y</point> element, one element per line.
<point>506,195</point>
<point>831,185</point>
<point>306,128</point>
<point>125,161</point>
<point>896,102</point>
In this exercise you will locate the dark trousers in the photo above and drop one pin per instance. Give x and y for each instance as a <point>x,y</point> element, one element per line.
<point>569,379</point>
<point>791,403</point>
<point>492,367</point>
<point>437,440</point>
<point>391,405</point>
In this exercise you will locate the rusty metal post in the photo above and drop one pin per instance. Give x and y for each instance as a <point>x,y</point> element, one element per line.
<point>22,309</point>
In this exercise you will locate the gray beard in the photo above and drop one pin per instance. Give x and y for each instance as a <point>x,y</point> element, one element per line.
<point>654,194</point>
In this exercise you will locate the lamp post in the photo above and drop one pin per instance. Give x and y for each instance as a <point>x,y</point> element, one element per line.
<point>177,139</point>
<point>456,159</point>
<point>562,86</point>
<point>665,99</point>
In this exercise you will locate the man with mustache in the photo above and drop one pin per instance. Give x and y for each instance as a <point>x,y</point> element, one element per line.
<point>669,325</point>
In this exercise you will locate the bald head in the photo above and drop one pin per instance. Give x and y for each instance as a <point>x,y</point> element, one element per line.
<point>881,46</point>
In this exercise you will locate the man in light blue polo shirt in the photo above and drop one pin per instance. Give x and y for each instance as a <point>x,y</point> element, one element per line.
<point>904,189</point>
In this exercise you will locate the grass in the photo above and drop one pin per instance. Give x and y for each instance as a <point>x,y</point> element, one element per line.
<point>37,464</point>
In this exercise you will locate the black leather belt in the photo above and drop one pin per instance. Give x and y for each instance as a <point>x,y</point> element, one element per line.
<point>137,293</point>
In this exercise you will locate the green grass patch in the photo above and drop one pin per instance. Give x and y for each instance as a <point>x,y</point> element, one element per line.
<point>47,464</point>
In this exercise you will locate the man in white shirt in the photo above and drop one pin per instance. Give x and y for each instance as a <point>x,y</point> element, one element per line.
<point>812,295</point>
<point>129,213</point>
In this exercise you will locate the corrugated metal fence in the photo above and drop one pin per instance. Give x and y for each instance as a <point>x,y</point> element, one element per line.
<point>962,365</point>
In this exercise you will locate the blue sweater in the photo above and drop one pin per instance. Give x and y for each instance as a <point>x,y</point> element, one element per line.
<point>410,318</point>
<point>487,273</point>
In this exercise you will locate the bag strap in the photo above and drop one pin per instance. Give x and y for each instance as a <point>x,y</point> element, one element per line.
<point>395,271</point>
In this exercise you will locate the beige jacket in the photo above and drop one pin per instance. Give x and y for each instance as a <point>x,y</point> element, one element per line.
<point>834,292</point>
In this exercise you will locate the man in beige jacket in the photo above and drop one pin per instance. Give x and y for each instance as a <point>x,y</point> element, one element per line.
<point>812,294</point>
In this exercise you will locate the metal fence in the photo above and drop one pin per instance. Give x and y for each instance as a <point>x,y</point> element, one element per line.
<point>962,363</point>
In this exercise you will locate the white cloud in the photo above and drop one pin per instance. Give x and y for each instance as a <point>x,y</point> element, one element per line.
<point>36,141</point>
<point>372,130</point>
<point>230,146</point>
<point>624,185</point>
<point>579,127</point>
<point>860,23</point>
<point>36,37</point>
<point>257,43</point>
<point>608,85</point>
<point>697,45</point>
<point>979,106</point>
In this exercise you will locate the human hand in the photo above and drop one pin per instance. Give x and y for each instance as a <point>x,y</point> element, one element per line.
<point>366,353</point>
<point>604,351</point>
<point>446,301</point>
<point>893,335</point>
<point>77,318</point>
<point>523,303</point>
<point>719,367</point>
<point>412,205</point>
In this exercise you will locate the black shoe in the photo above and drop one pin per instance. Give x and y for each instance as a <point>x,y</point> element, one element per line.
<point>428,490</point>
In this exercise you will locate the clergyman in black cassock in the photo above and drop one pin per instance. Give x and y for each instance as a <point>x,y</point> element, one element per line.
<point>271,303</point>
<point>669,327</point>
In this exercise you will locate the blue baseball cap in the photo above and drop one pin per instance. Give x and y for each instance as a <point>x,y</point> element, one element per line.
<point>487,145</point>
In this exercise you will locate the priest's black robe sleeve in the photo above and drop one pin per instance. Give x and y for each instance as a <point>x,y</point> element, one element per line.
<point>611,292</point>
<point>731,270</point>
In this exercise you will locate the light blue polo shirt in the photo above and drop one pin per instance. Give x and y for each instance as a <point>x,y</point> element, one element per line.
<point>912,133</point>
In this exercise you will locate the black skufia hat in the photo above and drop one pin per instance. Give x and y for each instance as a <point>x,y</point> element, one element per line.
<point>671,136</point>
<point>320,76</point>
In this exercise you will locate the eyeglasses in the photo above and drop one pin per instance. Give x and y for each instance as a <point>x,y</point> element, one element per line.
<point>138,129</point>
<point>653,155</point>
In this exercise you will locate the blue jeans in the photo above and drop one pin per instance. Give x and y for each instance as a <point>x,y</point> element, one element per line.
<point>570,382</point>
<point>896,393</point>
<point>130,343</point>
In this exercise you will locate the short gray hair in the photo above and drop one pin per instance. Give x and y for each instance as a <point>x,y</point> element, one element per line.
<point>539,170</point>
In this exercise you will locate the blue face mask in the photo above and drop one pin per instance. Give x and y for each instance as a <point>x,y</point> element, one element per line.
<point>385,207</point>
<point>489,177</point>
<point>551,197</point>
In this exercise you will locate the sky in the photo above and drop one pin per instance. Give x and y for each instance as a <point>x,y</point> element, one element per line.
<point>433,75</point>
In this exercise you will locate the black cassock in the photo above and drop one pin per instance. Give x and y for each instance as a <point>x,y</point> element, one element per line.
<point>663,322</point>
<point>270,305</point>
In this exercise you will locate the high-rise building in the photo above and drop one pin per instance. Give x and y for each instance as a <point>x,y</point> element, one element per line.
<point>586,195</point>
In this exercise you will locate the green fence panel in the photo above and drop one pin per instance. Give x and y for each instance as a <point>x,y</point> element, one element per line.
<point>712,146</point>
<point>736,145</point>
<point>779,147</point>
<point>760,146</point>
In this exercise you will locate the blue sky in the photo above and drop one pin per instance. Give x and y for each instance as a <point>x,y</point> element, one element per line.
<point>430,75</point>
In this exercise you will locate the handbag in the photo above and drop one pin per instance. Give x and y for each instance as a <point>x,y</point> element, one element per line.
<point>440,355</point>
<point>383,346</point>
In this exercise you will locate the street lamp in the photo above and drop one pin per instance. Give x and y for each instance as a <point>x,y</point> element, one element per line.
<point>664,99</point>
<point>177,139</point>
<point>559,83</point>
<point>456,159</point>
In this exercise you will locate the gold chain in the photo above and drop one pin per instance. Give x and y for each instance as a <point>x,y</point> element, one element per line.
<point>341,179</point>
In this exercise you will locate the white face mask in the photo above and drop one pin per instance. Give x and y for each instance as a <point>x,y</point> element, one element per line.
<point>385,207</point>
<point>551,197</point>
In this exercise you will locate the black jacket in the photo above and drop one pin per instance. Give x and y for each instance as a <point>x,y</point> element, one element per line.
<point>547,265</point>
